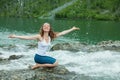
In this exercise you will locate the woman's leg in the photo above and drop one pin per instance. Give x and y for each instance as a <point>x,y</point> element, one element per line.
<point>51,65</point>
<point>45,65</point>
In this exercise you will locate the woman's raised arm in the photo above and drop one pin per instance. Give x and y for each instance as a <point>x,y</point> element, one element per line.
<point>67,31</point>
<point>35,37</point>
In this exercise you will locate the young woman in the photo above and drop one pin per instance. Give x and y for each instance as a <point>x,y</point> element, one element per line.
<point>44,38</point>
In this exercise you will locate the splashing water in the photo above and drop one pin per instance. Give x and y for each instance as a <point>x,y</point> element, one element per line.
<point>104,63</point>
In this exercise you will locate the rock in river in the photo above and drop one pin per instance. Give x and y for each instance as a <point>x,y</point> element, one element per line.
<point>12,57</point>
<point>57,73</point>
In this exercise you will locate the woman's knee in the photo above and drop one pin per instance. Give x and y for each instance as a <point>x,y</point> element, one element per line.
<point>56,63</point>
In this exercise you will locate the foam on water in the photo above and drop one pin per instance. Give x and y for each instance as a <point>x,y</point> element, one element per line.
<point>100,63</point>
<point>21,63</point>
<point>96,63</point>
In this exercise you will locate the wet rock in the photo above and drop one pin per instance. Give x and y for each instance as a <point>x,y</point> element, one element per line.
<point>12,57</point>
<point>73,47</point>
<point>105,42</point>
<point>110,45</point>
<point>68,46</point>
<point>76,47</point>
<point>104,45</point>
<point>31,46</point>
<point>57,73</point>
<point>61,46</point>
<point>3,60</point>
<point>0,53</point>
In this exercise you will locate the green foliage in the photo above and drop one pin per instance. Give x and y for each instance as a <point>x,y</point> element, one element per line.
<point>28,8</point>
<point>95,9</point>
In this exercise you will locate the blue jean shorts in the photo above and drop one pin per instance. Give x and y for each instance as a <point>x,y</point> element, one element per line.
<point>44,59</point>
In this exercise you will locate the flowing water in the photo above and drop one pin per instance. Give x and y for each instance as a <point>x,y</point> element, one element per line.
<point>101,65</point>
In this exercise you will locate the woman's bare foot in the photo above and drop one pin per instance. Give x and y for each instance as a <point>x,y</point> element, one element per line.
<point>35,66</point>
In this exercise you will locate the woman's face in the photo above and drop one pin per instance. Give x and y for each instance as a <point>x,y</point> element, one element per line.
<point>46,27</point>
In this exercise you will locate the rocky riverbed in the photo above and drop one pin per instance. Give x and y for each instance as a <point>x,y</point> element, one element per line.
<point>60,72</point>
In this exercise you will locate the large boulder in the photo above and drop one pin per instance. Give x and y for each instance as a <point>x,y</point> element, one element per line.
<point>68,46</point>
<point>57,73</point>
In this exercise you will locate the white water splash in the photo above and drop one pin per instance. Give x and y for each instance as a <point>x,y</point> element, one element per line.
<point>100,63</point>
<point>97,63</point>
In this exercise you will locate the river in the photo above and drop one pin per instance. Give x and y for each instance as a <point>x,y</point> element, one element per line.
<point>101,65</point>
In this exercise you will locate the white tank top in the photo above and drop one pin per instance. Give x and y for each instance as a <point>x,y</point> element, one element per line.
<point>43,47</point>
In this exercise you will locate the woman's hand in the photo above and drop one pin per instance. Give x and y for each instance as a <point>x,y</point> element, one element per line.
<point>12,36</point>
<point>75,28</point>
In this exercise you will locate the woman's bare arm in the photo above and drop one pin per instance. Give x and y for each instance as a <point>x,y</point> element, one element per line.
<point>67,31</point>
<point>35,37</point>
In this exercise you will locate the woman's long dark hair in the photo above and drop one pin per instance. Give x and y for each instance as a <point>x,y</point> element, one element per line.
<point>52,34</point>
